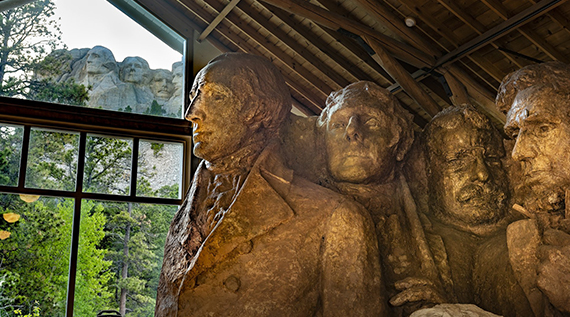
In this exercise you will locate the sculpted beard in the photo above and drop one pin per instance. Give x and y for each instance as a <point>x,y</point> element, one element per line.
<point>537,197</point>
<point>487,198</point>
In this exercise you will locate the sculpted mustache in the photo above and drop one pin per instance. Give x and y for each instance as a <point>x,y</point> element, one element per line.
<point>473,191</point>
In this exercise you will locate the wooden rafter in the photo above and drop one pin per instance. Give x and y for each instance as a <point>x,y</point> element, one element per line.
<point>179,12</point>
<point>319,43</point>
<point>527,32</point>
<point>304,53</point>
<point>217,20</point>
<point>335,22</point>
<point>502,29</point>
<point>254,35</point>
<point>403,78</point>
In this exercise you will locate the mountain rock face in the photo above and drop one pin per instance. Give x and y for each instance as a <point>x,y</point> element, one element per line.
<point>129,86</point>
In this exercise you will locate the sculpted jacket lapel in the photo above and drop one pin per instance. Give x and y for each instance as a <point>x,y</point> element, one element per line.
<point>257,208</point>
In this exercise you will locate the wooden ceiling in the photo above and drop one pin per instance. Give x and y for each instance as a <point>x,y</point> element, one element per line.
<point>458,51</point>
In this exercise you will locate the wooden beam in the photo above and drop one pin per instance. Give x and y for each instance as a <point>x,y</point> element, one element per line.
<point>335,22</point>
<point>402,77</point>
<point>459,93</point>
<point>498,8</point>
<point>319,43</point>
<point>476,26</point>
<point>481,95</point>
<point>386,18</point>
<point>288,61</point>
<point>181,13</point>
<point>299,49</point>
<point>502,29</point>
<point>217,20</point>
<point>542,44</point>
<point>528,32</point>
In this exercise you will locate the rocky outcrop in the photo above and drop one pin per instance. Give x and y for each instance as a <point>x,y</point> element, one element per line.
<point>129,86</point>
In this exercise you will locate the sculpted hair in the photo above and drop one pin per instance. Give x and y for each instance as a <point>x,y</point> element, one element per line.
<point>401,120</point>
<point>450,119</point>
<point>550,74</point>
<point>260,87</point>
<point>110,62</point>
<point>146,67</point>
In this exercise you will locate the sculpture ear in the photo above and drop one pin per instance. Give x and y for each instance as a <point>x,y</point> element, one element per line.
<point>322,119</point>
<point>403,147</point>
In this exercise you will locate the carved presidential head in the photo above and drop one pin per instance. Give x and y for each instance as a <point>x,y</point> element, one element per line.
<point>161,83</point>
<point>100,60</point>
<point>237,100</point>
<point>135,70</point>
<point>366,133</point>
<point>536,101</point>
<point>468,186</point>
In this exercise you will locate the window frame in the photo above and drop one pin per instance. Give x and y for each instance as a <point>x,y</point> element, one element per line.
<point>34,114</point>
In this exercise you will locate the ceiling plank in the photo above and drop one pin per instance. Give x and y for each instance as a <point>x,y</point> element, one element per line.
<point>217,20</point>
<point>397,26</point>
<point>475,25</point>
<point>459,93</point>
<point>334,21</point>
<point>288,61</point>
<point>527,32</point>
<point>403,78</point>
<point>301,51</point>
<point>182,14</point>
<point>318,42</point>
<point>500,30</point>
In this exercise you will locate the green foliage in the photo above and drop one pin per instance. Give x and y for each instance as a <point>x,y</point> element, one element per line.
<point>27,33</point>
<point>10,148</point>
<point>156,148</point>
<point>67,92</point>
<point>155,109</point>
<point>52,160</point>
<point>107,165</point>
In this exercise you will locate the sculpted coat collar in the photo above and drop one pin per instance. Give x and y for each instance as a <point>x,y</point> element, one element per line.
<point>269,179</point>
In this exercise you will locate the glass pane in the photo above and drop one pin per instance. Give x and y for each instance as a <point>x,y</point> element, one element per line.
<point>52,159</point>
<point>120,256</point>
<point>63,51</point>
<point>35,239</point>
<point>107,165</point>
<point>159,169</point>
<point>11,137</point>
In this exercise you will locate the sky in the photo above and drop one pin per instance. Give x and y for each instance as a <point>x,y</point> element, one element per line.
<point>87,23</point>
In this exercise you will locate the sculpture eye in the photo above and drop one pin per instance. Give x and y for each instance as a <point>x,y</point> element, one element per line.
<point>373,123</point>
<point>514,133</point>
<point>544,129</point>
<point>337,125</point>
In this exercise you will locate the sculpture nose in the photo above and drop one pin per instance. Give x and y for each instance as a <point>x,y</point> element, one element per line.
<point>194,112</point>
<point>524,148</point>
<point>481,171</point>
<point>352,132</point>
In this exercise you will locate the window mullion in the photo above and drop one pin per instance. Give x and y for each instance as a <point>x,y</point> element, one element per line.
<point>76,226</point>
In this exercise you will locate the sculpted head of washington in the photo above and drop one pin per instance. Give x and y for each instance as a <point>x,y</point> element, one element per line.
<point>238,101</point>
<point>366,133</point>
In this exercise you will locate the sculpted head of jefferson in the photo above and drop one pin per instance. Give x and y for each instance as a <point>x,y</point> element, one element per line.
<point>237,101</point>
<point>134,70</point>
<point>366,133</point>
<point>468,186</point>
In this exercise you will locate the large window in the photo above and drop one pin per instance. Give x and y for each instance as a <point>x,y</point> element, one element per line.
<point>94,156</point>
<point>88,53</point>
